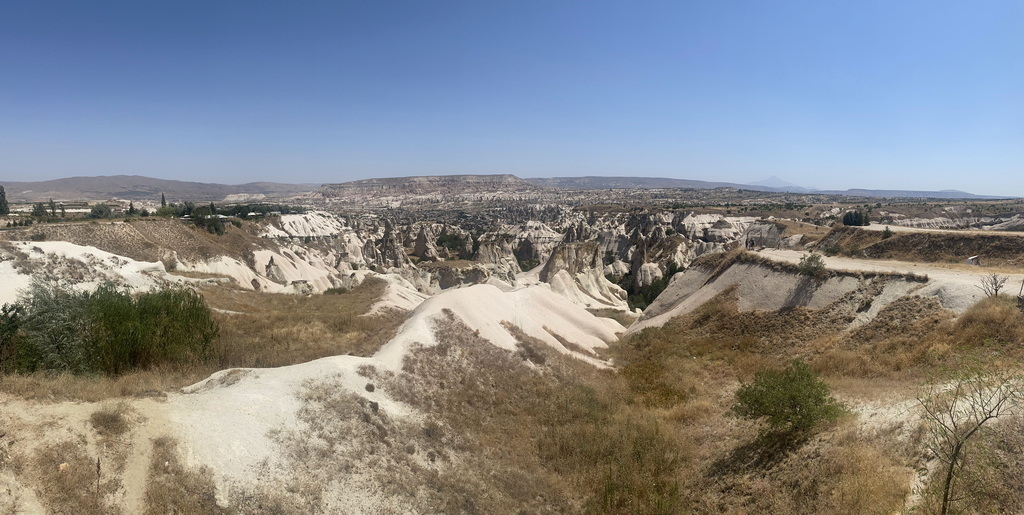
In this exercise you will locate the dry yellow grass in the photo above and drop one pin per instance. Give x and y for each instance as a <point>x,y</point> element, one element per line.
<point>811,232</point>
<point>92,388</point>
<point>502,432</point>
<point>172,488</point>
<point>69,480</point>
<point>1002,250</point>
<point>270,330</point>
<point>111,420</point>
<point>684,372</point>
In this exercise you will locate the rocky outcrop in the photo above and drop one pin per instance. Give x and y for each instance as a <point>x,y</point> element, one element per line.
<point>648,273</point>
<point>1014,223</point>
<point>391,253</point>
<point>643,242</point>
<point>713,228</point>
<point>573,258</point>
<point>533,240</point>
<point>575,271</point>
<point>616,269</point>
<point>758,286</point>
<point>273,272</point>
<point>423,247</point>
<point>763,234</point>
<point>315,224</point>
<point>453,274</point>
<point>497,252</point>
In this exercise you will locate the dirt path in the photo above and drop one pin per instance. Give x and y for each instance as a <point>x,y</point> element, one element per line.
<point>902,228</point>
<point>150,423</point>
<point>27,426</point>
<point>958,275</point>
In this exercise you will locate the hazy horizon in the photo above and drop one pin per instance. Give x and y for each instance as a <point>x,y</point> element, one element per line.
<point>774,182</point>
<point>874,95</point>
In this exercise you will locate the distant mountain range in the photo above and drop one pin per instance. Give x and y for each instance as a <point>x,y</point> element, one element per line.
<point>604,183</point>
<point>772,184</point>
<point>135,187</point>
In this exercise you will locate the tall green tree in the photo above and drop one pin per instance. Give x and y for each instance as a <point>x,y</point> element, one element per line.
<point>4,208</point>
<point>163,200</point>
<point>53,208</point>
<point>39,210</point>
<point>855,218</point>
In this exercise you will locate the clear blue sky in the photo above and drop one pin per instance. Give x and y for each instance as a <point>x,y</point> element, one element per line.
<point>826,94</point>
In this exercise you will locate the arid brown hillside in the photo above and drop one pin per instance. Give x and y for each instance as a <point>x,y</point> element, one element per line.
<point>935,247</point>
<point>147,239</point>
<point>136,187</point>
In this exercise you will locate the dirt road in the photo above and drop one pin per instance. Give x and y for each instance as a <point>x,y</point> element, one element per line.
<point>901,228</point>
<point>964,278</point>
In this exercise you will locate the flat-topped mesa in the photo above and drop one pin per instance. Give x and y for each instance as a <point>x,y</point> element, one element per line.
<point>425,185</point>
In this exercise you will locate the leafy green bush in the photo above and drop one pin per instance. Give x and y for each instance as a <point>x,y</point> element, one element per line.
<point>10,321</point>
<point>206,218</point>
<point>53,330</point>
<point>812,265</point>
<point>176,210</point>
<point>39,210</point>
<point>792,400</point>
<point>100,211</point>
<point>243,210</point>
<point>642,296</point>
<point>452,242</point>
<point>854,218</point>
<point>528,264</point>
<point>108,330</point>
<point>167,211</point>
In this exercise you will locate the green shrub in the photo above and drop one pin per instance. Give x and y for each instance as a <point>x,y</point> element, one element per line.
<point>206,218</point>
<point>10,322</point>
<point>108,330</point>
<point>855,218</point>
<point>452,242</point>
<point>639,297</point>
<point>100,211</point>
<point>792,400</point>
<point>243,210</point>
<point>812,265</point>
<point>167,211</point>
<point>528,264</point>
<point>53,330</point>
<point>39,210</point>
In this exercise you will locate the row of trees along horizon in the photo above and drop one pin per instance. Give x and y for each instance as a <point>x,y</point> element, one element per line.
<point>207,217</point>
